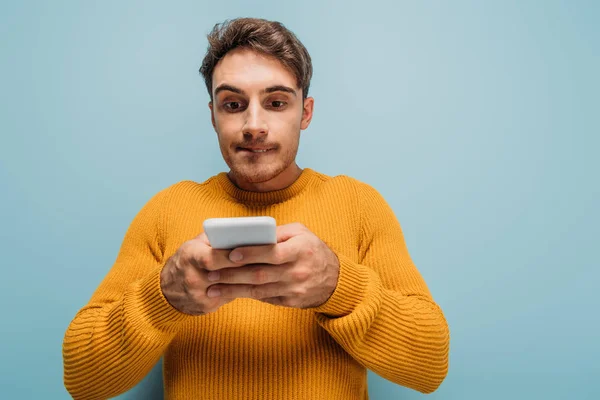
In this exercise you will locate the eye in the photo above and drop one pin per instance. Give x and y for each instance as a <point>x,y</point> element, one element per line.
<point>278,104</point>
<point>232,105</point>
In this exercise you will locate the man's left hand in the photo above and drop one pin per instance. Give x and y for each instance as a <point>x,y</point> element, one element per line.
<point>299,271</point>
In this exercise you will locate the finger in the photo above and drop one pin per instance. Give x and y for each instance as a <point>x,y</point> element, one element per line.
<point>257,292</point>
<point>220,257</point>
<point>280,253</point>
<point>288,231</point>
<point>255,274</point>
<point>204,257</point>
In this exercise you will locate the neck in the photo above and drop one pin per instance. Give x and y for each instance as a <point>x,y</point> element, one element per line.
<point>281,181</point>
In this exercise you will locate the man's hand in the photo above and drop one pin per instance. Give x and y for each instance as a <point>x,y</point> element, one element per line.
<point>299,271</point>
<point>184,281</point>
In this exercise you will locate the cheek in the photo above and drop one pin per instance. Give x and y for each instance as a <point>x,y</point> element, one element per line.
<point>227,129</point>
<point>288,123</point>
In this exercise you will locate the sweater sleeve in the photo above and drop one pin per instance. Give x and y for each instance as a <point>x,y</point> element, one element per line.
<point>116,339</point>
<point>381,311</point>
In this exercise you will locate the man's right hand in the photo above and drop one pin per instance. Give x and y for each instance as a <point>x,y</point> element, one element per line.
<point>184,280</point>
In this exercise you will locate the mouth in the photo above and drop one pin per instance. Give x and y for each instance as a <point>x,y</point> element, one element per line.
<point>255,150</point>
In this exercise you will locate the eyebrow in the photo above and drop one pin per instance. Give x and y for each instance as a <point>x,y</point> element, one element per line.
<point>270,89</point>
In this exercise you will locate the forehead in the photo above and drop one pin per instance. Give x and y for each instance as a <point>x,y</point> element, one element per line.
<point>250,70</point>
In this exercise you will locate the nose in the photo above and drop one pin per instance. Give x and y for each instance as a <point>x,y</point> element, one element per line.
<point>255,125</point>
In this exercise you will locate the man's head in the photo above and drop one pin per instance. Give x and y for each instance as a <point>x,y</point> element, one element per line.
<point>257,74</point>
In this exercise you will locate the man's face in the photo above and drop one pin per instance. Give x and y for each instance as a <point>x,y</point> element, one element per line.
<point>257,112</point>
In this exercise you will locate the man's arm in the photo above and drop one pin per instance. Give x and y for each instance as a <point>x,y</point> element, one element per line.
<point>381,311</point>
<point>116,339</point>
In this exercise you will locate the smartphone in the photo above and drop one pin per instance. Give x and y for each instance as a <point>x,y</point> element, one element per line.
<point>229,233</point>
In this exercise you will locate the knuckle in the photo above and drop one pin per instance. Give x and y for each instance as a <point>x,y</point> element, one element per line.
<point>191,280</point>
<point>205,261</point>
<point>308,251</point>
<point>300,274</point>
<point>299,291</point>
<point>188,253</point>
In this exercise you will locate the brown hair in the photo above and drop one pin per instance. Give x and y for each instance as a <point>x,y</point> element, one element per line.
<point>270,38</point>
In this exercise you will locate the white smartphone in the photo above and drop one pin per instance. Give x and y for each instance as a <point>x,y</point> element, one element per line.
<point>229,233</point>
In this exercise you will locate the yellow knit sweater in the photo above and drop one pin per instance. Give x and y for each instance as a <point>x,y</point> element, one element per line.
<point>381,315</point>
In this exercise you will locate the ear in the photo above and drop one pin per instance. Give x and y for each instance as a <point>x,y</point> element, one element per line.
<point>212,115</point>
<point>307,112</point>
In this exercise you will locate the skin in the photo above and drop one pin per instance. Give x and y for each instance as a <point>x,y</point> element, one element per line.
<point>256,104</point>
<point>254,118</point>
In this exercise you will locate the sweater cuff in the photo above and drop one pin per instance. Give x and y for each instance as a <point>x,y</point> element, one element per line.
<point>350,291</point>
<point>152,308</point>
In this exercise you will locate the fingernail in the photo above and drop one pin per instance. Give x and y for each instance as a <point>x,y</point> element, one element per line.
<point>213,292</point>
<point>235,256</point>
<point>213,275</point>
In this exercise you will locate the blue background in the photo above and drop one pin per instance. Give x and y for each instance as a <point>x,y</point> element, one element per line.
<point>477,121</point>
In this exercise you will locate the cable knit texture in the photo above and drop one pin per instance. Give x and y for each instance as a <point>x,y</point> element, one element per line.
<point>380,317</point>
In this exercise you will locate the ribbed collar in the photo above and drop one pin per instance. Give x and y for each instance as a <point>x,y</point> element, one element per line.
<point>277,196</point>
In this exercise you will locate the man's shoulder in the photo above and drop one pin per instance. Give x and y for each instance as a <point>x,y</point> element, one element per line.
<point>194,184</point>
<point>346,182</point>
<point>189,184</point>
<point>184,188</point>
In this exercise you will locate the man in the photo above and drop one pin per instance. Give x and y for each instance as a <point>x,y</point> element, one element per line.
<point>303,319</point>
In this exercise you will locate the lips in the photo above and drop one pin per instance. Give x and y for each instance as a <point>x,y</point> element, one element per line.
<point>256,150</point>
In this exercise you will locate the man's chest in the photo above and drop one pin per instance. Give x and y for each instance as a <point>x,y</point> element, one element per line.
<point>337,224</point>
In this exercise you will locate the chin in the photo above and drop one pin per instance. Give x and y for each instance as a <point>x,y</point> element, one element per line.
<point>257,173</point>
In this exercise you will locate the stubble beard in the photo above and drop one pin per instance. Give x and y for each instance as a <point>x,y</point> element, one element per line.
<point>258,172</point>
